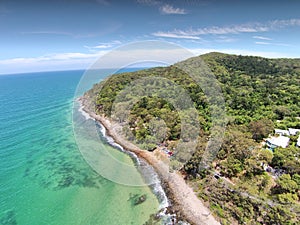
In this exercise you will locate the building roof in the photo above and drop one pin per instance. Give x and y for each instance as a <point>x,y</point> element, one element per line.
<point>293,131</point>
<point>282,132</point>
<point>280,141</point>
<point>298,141</point>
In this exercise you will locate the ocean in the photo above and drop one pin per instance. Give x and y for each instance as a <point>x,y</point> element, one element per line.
<point>43,177</point>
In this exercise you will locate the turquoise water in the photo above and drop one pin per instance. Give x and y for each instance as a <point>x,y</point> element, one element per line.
<point>43,177</point>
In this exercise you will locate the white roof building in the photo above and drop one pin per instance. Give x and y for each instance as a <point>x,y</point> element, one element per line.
<point>282,132</point>
<point>280,141</point>
<point>298,141</point>
<point>293,131</point>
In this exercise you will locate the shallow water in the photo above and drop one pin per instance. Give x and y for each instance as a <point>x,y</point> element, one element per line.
<point>43,177</point>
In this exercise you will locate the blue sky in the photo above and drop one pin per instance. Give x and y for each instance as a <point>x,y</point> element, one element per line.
<point>72,34</point>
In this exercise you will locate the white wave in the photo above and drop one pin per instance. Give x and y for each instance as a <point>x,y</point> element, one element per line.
<point>151,177</point>
<point>111,142</point>
<point>85,114</point>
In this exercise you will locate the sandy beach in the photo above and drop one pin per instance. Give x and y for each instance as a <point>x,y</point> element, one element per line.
<point>184,201</point>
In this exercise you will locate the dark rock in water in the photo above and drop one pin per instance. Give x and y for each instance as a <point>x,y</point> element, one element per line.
<point>155,218</point>
<point>140,200</point>
<point>137,199</point>
<point>9,218</point>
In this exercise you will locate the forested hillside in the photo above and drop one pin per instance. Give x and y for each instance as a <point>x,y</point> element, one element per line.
<point>260,94</point>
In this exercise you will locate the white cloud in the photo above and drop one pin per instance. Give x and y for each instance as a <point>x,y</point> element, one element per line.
<point>165,9</point>
<point>172,35</point>
<point>283,44</point>
<point>60,61</point>
<point>235,29</point>
<point>148,2</point>
<point>72,55</point>
<point>271,43</point>
<point>104,45</point>
<point>169,9</point>
<point>284,23</point>
<point>225,39</point>
<point>262,38</point>
<point>262,43</point>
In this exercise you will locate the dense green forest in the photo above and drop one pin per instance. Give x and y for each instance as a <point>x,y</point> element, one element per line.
<point>260,94</point>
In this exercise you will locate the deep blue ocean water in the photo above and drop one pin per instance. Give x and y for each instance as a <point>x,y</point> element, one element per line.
<point>43,177</point>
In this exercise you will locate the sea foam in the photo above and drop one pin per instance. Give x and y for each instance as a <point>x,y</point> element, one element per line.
<point>85,114</point>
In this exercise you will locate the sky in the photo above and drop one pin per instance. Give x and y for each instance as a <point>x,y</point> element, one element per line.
<point>71,34</point>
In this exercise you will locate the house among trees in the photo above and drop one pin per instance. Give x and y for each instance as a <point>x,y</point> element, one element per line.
<point>274,142</point>
<point>282,140</point>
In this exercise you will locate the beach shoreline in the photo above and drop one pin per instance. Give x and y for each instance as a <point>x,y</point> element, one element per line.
<point>184,202</point>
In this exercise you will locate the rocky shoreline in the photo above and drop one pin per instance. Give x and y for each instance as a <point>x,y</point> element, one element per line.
<point>184,203</point>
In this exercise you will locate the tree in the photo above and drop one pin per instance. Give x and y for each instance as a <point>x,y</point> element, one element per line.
<point>281,112</point>
<point>287,158</point>
<point>231,167</point>
<point>261,128</point>
<point>296,178</point>
<point>287,198</point>
<point>265,156</point>
<point>237,143</point>
<point>158,129</point>
<point>286,184</point>
<point>253,167</point>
